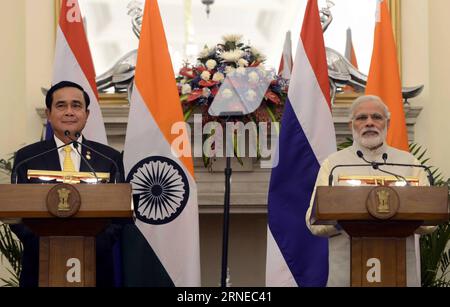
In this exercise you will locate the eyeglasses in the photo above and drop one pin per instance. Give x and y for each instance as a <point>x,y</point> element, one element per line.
<point>377,117</point>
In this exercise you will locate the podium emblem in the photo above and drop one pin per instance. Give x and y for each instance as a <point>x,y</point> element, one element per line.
<point>160,190</point>
<point>383,202</point>
<point>63,200</point>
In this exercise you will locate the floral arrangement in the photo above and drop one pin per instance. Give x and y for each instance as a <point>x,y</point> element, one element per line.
<point>199,84</point>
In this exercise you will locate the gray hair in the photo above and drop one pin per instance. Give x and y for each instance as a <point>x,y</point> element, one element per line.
<point>365,98</point>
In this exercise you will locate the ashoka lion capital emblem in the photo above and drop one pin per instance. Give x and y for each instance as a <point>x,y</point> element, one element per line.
<point>63,204</point>
<point>382,202</point>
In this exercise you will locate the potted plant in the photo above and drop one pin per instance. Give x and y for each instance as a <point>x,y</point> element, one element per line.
<point>10,246</point>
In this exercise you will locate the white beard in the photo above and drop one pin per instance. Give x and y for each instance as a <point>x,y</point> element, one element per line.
<point>370,142</point>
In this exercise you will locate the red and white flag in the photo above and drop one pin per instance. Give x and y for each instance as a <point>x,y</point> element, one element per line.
<point>73,62</point>
<point>295,257</point>
<point>286,62</point>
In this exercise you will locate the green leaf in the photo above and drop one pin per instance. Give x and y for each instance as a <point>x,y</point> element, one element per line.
<point>207,161</point>
<point>236,149</point>
<point>188,113</point>
<point>11,250</point>
<point>273,118</point>
<point>435,258</point>
<point>424,162</point>
<point>347,143</point>
<point>420,157</point>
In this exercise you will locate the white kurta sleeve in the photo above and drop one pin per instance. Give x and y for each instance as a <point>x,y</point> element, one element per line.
<point>322,180</point>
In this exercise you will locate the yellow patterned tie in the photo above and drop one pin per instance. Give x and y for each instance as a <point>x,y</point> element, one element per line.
<point>68,163</point>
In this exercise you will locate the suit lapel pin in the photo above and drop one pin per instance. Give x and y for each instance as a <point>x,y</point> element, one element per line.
<point>88,155</point>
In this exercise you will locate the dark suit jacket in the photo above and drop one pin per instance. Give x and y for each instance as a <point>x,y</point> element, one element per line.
<point>104,241</point>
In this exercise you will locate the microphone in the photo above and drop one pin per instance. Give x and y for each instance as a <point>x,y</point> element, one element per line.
<point>330,177</point>
<point>75,145</point>
<point>384,157</point>
<point>77,135</point>
<point>376,166</point>
<point>14,171</point>
<point>426,168</point>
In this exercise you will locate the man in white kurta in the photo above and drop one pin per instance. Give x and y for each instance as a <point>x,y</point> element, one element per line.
<point>369,120</point>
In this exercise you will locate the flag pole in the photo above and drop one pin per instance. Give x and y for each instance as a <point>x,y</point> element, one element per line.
<point>226,222</point>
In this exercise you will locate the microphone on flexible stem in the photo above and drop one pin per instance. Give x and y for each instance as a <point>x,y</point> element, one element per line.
<point>330,177</point>
<point>384,157</point>
<point>376,166</point>
<point>14,171</point>
<point>75,145</point>
<point>426,168</point>
<point>77,135</point>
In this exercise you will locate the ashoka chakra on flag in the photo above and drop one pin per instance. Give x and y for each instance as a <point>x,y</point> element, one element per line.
<point>160,190</point>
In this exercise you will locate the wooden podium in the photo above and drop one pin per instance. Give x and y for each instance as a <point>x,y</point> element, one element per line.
<point>378,220</point>
<point>67,218</point>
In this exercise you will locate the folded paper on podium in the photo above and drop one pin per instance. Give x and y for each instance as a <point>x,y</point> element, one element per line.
<point>68,177</point>
<point>377,181</point>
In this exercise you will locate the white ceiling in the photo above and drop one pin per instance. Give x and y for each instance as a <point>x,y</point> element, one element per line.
<point>263,24</point>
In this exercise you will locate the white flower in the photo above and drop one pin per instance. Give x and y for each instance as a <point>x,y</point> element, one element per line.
<point>236,38</point>
<point>253,77</point>
<point>205,75</point>
<point>232,56</point>
<point>186,89</point>
<point>227,93</point>
<point>243,63</point>
<point>218,76</point>
<point>240,71</point>
<point>211,64</point>
<point>229,70</point>
<point>206,92</point>
<point>205,52</point>
<point>258,55</point>
<point>183,81</point>
<point>250,95</point>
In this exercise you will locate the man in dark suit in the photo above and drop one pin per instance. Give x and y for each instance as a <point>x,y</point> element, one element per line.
<point>67,111</point>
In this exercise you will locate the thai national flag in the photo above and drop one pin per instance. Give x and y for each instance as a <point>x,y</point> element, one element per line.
<point>73,62</point>
<point>294,256</point>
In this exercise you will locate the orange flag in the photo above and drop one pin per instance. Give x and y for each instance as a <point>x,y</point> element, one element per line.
<point>384,78</point>
<point>160,172</point>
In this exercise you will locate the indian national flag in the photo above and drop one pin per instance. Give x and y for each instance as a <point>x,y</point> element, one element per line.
<point>384,77</point>
<point>73,62</point>
<point>165,247</point>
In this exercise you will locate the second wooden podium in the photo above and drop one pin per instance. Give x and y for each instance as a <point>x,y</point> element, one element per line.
<point>67,218</point>
<point>378,220</point>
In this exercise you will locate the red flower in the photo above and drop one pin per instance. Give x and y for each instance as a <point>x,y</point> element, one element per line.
<point>187,72</point>
<point>214,91</point>
<point>194,95</point>
<point>200,69</point>
<point>272,97</point>
<point>209,83</point>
